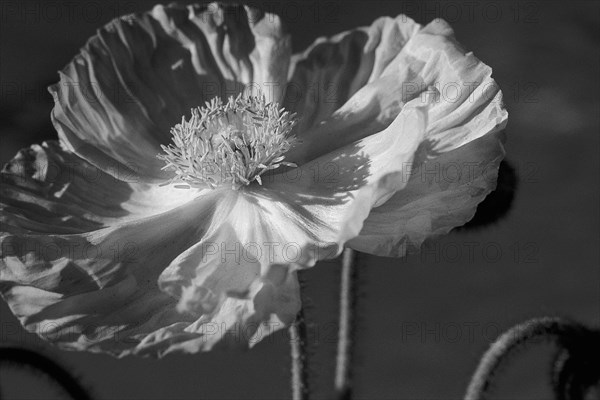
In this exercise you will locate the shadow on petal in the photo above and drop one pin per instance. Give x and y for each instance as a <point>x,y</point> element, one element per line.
<point>498,203</point>
<point>329,180</point>
<point>46,189</point>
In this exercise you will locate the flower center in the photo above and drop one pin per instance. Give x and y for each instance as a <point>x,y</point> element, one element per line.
<point>229,144</point>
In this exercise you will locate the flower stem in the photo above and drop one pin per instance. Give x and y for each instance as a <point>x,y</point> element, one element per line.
<point>299,349</point>
<point>561,329</point>
<point>343,372</point>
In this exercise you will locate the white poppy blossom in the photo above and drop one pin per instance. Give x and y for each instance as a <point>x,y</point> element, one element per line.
<point>116,238</point>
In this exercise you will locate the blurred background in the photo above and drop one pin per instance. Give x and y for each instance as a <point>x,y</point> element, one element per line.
<point>424,321</point>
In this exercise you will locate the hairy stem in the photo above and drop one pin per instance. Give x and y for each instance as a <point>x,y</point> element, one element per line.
<point>548,327</point>
<point>299,353</point>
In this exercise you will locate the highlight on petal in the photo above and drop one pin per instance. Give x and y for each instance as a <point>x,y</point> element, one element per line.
<point>212,272</point>
<point>132,82</point>
<point>338,190</point>
<point>462,104</point>
<point>290,222</point>
<point>459,160</point>
<point>83,254</point>
<point>47,189</point>
<point>423,62</point>
<point>332,70</point>
<point>440,194</point>
<point>104,259</point>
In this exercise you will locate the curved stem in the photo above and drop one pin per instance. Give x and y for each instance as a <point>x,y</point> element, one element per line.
<point>299,349</point>
<point>343,372</point>
<point>508,342</point>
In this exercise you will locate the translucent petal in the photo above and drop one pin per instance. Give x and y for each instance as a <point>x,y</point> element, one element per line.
<point>97,290</point>
<point>115,263</point>
<point>332,70</point>
<point>290,222</point>
<point>82,253</point>
<point>46,189</point>
<point>463,101</point>
<point>441,194</point>
<point>338,190</point>
<point>132,82</point>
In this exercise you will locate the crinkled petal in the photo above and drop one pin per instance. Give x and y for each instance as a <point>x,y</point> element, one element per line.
<point>82,253</point>
<point>308,213</point>
<point>46,189</point>
<point>81,250</point>
<point>114,105</point>
<point>101,291</point>
<point>242,263</point>
<point>152,272</point>
<point>332,70</point>
<point>458,164</point>
<point>295,219</point>
<point>117,100</point>
<point>441,194</point>
<point>340,188</point>
<point>464,112</point>
<point>422,62</point>
<point>96,290</point>
<point>238,321</point>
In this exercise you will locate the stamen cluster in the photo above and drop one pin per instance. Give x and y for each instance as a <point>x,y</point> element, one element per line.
<point>231,143</point>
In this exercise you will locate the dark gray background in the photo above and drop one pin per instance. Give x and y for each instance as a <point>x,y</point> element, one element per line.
<point>424,320</point>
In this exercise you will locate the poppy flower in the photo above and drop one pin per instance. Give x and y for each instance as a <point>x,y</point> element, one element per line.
<point>148,228</point>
